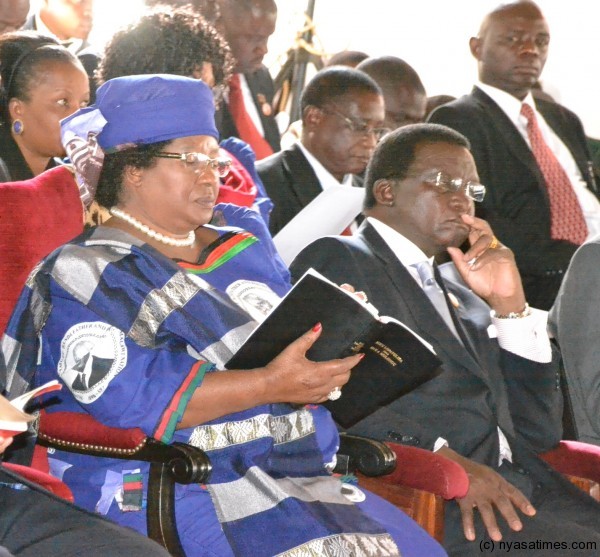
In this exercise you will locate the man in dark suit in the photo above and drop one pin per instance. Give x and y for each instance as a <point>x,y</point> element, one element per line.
<point>248,112</point>
<point>511,51</point>
<point>495,404</point>
<point>70,21</point>
<point>342,119</point>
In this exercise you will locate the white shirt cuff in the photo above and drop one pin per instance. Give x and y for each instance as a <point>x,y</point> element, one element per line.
<point>526,337</point>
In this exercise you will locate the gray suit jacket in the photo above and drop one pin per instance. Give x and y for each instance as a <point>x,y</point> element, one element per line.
<point>516,203</point>
<point>481,386</point>
<point>575,320</point>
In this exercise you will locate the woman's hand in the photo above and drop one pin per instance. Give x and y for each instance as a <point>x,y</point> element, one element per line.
<point>290,377</point>
<point>293,378</point>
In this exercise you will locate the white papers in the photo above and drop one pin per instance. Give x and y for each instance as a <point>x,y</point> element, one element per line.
<point>328,214</point>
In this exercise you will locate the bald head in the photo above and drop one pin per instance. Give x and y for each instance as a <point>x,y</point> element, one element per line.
<point>521,8</point>
<point>403,92</point>
<point>512,47</point>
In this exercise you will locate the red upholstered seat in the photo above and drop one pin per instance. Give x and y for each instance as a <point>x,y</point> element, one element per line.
<point>36,216</point>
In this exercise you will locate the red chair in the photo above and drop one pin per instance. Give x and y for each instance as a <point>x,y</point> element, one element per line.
<point>48,482</point>
<point>36,216</point>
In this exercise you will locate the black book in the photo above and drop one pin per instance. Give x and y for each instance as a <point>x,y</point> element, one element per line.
<point>396,359</point>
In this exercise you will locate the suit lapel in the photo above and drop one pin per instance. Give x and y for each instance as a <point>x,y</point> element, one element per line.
<point>411,300</point>
<point>302,179</point>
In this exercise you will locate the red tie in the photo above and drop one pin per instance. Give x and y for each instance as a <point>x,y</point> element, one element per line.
<point>566,215</point>
<point>244,123</point>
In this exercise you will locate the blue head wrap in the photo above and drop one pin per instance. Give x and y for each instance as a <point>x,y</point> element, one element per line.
<point>134,110</point>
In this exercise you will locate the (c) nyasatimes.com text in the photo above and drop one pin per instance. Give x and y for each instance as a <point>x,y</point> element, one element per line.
<point>487,546</point>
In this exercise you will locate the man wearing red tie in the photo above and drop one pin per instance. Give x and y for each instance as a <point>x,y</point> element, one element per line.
<point>248,111</point>
<point>531,154</point>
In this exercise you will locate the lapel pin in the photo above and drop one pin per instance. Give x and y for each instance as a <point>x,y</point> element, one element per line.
<point>453,300</point>
<point>266,108</point>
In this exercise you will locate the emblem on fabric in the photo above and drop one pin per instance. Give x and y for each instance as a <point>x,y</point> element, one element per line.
<point>92,354</point>
<point>255,298</point>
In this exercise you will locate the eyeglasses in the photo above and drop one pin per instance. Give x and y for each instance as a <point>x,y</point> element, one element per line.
<point>441,180</point>
<point>358,126</point>
<point>199,162</point>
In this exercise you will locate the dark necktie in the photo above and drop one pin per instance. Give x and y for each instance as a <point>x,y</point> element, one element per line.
<point>567,220</point>
<point>435,294</point>
<point>244,124</point>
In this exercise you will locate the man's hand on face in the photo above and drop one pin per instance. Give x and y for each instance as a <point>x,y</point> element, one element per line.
<point>489,269</point>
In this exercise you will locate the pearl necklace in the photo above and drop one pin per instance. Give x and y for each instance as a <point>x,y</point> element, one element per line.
<point>183,243</point>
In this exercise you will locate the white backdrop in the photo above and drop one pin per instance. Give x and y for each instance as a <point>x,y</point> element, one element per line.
<point>432,36</point>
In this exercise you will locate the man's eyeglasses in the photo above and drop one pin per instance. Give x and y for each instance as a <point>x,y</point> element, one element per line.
<point>199,162</point>
<point>442,181</point>
<point>358,126</point>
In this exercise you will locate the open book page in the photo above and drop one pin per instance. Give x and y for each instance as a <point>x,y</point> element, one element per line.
<point>327,215</point>
<point>12,417</point>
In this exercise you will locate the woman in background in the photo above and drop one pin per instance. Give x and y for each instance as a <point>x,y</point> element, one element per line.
<point>41,83</point>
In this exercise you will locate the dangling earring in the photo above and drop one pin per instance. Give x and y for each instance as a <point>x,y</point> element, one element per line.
<point>17,127</point>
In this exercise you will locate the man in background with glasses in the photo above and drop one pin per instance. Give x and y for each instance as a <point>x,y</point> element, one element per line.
<point>495,404</point>
<point>531,153</point>
<point>342,121</point>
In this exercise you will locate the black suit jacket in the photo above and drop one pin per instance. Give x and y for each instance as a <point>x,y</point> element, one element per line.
<point>481,386</point>
<point>261,85</point>
<point>291,183</point>
<point>516,202</point>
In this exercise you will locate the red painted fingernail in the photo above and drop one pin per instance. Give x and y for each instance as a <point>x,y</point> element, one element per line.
<point>317,328</point>
<point>362,355</point>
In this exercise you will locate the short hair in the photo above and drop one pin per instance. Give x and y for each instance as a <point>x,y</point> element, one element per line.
<point>349,58</point>
<point>110,183</point>
<point>395,153</point>
<point>334,82</point>
<point>390,69</point>
<point>22,53</point>
<point>166,41</point>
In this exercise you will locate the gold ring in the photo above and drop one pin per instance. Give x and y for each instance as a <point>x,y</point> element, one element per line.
<point>494,243</point>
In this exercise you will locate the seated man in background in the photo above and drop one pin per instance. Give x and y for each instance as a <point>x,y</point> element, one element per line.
<point>70,21</point>
<point>248,112</point>
<point>496,403</point>
<point>402,88</point>
<point>342,121</point>
<point>530,153</point>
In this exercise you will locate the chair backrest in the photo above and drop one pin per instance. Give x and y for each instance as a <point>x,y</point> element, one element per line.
<point>36,216</point>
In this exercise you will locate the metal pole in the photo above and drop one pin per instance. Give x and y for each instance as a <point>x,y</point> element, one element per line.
<point>300,63</point>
